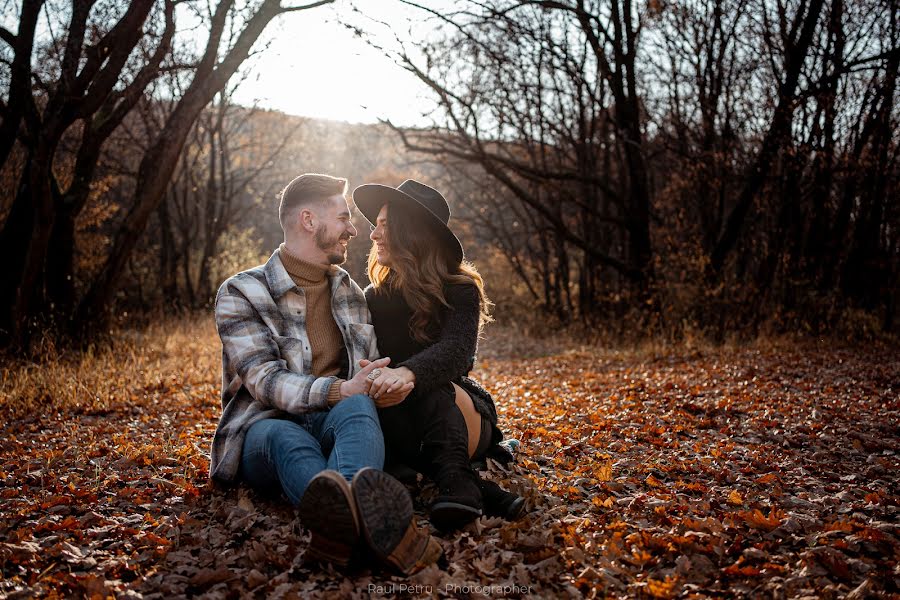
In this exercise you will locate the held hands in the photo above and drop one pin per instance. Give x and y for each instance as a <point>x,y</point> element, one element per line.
<point>391,386</point>
<point>361,382</point>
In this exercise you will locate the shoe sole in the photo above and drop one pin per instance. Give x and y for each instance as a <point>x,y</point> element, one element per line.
<point>328,511</point>
<point>386,520</point>
<point>448,516</point>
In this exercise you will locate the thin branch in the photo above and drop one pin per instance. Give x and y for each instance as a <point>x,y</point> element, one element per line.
<point>290,9</point>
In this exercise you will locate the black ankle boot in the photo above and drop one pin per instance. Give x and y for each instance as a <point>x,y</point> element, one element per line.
<point>459,501</point>
<point>500,503</point>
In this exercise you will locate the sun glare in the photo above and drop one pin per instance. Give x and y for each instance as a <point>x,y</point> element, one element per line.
<point>317,66</point>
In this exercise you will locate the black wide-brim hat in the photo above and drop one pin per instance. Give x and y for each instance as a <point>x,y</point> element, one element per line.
<point>421,200</point>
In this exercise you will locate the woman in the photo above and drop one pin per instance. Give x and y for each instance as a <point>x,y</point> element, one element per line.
<point>428,307</point>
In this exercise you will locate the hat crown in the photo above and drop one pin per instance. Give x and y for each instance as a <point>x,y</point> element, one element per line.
<point>428,197</point>
<point>427,203</point>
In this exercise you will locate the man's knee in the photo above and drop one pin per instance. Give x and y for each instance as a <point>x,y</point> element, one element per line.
<point>277,435</point>
<point>357,405</point>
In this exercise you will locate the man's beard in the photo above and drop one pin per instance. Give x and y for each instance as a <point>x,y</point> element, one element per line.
<point>326,244</point>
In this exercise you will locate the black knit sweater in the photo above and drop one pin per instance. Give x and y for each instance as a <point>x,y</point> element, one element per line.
<point>448,358</point>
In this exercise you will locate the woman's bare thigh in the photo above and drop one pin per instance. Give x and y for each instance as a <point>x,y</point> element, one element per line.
<point>472,416</point>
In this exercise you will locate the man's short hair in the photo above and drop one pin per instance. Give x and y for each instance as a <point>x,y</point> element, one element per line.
<point>309,188</point>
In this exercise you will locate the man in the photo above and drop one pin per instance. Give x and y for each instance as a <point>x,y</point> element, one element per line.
<point>296,417</point>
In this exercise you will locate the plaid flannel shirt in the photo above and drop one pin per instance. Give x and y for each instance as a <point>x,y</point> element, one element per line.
<point>266,355</point>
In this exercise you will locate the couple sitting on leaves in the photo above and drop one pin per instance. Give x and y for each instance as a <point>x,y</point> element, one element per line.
<point>310,409</point>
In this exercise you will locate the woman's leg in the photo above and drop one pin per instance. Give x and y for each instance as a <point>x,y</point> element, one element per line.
<point>497,501</point>
<point>472,417</point>
<point>444,457</point>
<point>402,430</point>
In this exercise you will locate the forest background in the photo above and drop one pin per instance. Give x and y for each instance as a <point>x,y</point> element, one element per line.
<point>653,168</point>
<point>686,215</point>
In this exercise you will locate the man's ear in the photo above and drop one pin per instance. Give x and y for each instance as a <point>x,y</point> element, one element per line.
<point>307,220</point>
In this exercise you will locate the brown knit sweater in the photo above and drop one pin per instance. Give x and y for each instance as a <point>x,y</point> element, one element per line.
<point>325,340</point>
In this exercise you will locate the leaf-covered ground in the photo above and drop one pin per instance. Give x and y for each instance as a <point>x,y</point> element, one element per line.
<point>769,470</point>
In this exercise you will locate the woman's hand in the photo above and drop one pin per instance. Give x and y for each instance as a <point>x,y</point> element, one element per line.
<point>392,386</point>
<point>361,382</point>
<point>391,381</point>
<point>394,398</point>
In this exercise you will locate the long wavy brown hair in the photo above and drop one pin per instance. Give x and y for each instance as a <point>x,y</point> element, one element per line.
<point>419,270</point>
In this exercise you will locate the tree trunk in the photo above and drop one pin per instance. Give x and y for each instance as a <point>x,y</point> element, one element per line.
<point>167,267</point>
<point>14,238</point>
<point>24,240</point>
<point>211,224</point>
<point>20,78</point>
<point>61,257</point>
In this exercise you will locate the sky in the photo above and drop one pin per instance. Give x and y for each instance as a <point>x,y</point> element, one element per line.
<point>315,66</point>
<point>310,63</point>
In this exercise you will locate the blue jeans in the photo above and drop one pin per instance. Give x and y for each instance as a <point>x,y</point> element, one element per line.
<point>285,454</point>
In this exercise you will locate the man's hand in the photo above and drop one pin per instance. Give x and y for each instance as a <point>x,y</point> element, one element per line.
<point>360,383</point>
<point>392,386</point>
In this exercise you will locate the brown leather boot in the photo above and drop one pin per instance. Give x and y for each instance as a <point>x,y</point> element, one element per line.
<point>388,524</point>
<point>328,511</point>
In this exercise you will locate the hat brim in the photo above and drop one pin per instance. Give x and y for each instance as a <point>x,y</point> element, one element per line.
<point>370,197</point>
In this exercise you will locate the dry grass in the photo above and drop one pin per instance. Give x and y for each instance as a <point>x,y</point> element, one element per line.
<point>177,353</point>
<point>185,353</point>
<point>523,340</point>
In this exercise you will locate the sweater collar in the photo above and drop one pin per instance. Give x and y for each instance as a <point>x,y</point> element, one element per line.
<point>301,271</point>
<point>279,281</point>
